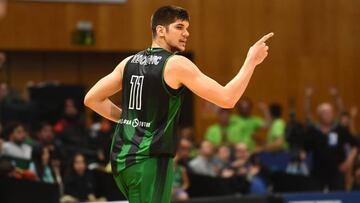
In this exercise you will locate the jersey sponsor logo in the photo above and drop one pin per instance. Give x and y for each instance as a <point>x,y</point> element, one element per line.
<point>146,60</point>
<point>136,83</point>
<point>135,123</point>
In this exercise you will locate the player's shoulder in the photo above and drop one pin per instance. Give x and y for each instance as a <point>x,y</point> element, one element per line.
<point>121,66</point>
<point>179,61</point>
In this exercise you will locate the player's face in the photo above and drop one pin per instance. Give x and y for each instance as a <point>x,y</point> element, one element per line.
<point>176,35</point>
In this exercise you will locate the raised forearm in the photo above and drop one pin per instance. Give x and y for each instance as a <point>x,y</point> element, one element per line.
<point>236,87</point>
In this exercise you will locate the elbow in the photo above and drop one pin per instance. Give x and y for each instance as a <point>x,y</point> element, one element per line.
<point>87,101</point>
<point>228,103</point>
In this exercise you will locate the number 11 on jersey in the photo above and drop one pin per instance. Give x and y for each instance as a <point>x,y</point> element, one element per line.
<point>136,83</point>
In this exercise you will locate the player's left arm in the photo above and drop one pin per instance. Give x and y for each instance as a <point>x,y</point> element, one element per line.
<point>98,96</point>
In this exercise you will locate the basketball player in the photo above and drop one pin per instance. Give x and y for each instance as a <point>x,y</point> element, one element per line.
<point>152,82</point>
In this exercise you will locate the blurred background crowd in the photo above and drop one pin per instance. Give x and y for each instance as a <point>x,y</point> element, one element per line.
<point>253,151</point>
<point>48,138</point>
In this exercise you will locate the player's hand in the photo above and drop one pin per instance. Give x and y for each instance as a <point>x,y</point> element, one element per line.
<point>258,52</point>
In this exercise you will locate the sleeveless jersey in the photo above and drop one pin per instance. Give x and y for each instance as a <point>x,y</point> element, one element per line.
<point>150,111</point>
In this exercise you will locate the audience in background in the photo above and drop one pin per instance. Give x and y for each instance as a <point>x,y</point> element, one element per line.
<point>40,165</point>
<point>226,152</point>
<point>327,142</point>
<point>15,147</point>
<point>184,153</point>
<point>223,161</point>
<point>276,134</point>
<point>181,181</point>
<point>44,134</point>
<point>78,182</point>
<point>223,132</point>
<point>100,137</point>
<point>246,124</point>
<point>187,132</point>
<point>204,163</point>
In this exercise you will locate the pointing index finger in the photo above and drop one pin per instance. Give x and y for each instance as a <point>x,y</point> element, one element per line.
<point>266,37</point>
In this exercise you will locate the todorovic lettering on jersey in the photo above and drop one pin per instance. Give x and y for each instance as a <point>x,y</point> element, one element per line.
<point>146,60</point>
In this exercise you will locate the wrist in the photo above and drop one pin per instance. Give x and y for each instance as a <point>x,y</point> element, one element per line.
<point>249,63</point>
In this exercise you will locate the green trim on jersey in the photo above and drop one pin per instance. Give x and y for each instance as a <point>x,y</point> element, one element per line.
<point>165,86</point>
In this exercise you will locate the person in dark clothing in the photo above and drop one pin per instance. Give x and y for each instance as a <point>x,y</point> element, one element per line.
<point>327,142</point>
<point>79,183</point>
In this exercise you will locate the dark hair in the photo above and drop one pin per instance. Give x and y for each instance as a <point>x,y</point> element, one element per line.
<point>70,173</point>
<point>36,156</point>
<point>166,15</point>
<point>9,129</point>
<point>37,127</point>
<point>275,110</point>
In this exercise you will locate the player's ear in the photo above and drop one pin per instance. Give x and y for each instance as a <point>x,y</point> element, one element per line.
<point>160,30</point>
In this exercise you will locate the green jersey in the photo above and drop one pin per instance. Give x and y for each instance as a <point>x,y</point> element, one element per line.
<point>150,111</point>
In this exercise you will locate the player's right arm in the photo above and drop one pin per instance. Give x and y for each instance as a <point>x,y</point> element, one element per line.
<point>97,97</point>
<point>184,72</point>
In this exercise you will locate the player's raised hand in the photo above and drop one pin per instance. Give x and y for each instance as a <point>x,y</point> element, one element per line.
<point>258,52</point>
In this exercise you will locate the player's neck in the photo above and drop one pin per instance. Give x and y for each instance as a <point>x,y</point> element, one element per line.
<point>156,43</point>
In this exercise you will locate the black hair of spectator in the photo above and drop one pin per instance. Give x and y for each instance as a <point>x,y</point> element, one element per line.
<point>10,128</point>
<point>70,172</point>
<point>36,156</point>
<point>37,127</point>
<point>275,110</point>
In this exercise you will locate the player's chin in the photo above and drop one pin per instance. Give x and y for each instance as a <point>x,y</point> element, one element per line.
<point>181,47</point>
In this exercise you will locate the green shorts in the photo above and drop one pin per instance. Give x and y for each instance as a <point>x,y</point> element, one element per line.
<point>149,181</point>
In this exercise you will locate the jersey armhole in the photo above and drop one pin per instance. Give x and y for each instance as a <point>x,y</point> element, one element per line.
<point>169,90</point>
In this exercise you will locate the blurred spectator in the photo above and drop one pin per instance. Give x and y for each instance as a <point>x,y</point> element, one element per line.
<point>294,131</point>
<point>247,124</point>
<point>223,132</point>
<point>204,163</point>
<point>71,117</point>
<point>40,165</point>
<point>45,137</point>
<point>276,135</point>
<point>252,171</point>
<point>242,155</point>
<point>297,164</point>
<point>223,161</point>
<point>308,103</point>
<point>327,142</point>
<point>187,132</point>
<point>79,183</point>
<point>70,129</point>
<point>184,152</point>
<point>16,146</point>
<point>101,131</point>
<point>181,181</point>
<point>347,120</point>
